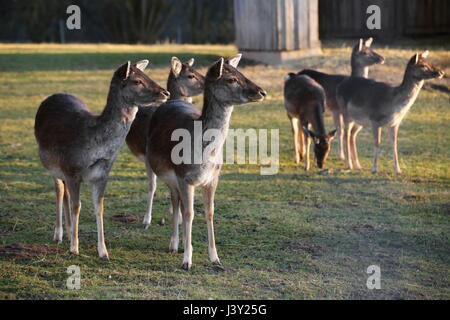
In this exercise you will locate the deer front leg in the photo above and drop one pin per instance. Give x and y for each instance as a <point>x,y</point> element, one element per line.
<point>98,192</point>
<point>59,191</point>
<point>307,159</point>
<point>337,118</point>
<point>175,201</point>
<point>151,176</point>
<point>376,149</point>
<point>355,130</point>
<point>186,192</point>
<point>348,155</point>
<point>67,214</point>
<point>73,186</point>
<point>208,201</point>
<point>296,139</point>
<point>393,134</point>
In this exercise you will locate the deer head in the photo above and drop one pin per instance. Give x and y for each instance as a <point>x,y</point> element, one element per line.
<point>322,144</point>
<point>364,56</point>
<point>135,87</point>
<point>421,69</point>
<point>226,84</point>
<point>188,81</point>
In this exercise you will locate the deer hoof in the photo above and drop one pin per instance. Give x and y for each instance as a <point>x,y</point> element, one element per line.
<point>146,225</point>
<point>186,266</point>
<point>104,258</point>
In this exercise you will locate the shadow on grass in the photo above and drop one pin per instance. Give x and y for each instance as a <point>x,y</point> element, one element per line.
<point>90,61</point>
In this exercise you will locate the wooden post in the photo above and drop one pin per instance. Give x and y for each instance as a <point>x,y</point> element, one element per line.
<point>277,31</point>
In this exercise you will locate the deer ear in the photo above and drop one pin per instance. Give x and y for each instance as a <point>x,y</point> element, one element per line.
<point>368,42</point>
<point>425,54</point>
<point>123,72</point>
<point>141,65</point>
<point>216,69</point>
<point>234,61</point>
<point>190,62</point>
<point>360,44</point>
<point>176,66</point>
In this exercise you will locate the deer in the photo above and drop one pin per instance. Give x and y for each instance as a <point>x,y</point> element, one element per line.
<point>378,104</point>
<point>225,87</point>
<point>304,100</point>
<point>362,58</point>
<point>183,83</point>
<point>77,146</point>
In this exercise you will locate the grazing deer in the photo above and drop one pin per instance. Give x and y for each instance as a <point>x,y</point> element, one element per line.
<point>377,104</point>
<point>225,86</point>
<point>183,83</point>
<point>361,59</point>
<point>304,100</point>
<point>76,145</point>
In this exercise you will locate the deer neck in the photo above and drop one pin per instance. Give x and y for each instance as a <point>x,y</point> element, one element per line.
<point>359,70</point>
<point>317,122</point>
<point>216,114</point>
<point>176,93</point>
<point>117,110</point>
<point>409,88</point>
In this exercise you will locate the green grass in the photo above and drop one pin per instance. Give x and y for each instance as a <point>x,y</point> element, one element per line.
<point>294,235</point>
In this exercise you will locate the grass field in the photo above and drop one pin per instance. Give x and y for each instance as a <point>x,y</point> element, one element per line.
<point>294,235</point>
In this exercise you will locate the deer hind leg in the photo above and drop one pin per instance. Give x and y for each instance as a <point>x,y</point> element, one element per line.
<point>67,214</point>
<point>393,134</point>
<point>338,122</point>
<point>73,186</point>
<point>296,139</point>
<point>59,190</point>
<point>176,212</point>
<point>208,201</point>
<point>348,125</point>
<point>98,192</point>
<point>376,149</point>
<point>186,193</point>
<point>151,176</point>
<point>355,130</point>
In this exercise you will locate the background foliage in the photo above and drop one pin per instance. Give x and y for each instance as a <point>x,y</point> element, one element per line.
<point>119,21</point>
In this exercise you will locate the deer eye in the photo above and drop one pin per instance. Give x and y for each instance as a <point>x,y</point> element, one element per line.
<point>232,80</point>
<point>137,82</point>
<point>191,76</point>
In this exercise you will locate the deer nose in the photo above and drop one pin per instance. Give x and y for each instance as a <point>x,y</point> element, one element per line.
<point>263,92</point>
<point>165,93</point>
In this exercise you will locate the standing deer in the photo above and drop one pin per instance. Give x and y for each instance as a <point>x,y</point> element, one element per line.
<point>377,104</point>
<point>361,59</point>
<point>225,86</point>
<point>77,146</point>
<point>183,83</point>
<point>304,100</point>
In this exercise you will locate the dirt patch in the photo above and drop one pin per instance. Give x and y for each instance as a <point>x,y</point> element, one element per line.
<point>314,249</point>
<point>303,204</point>
<point>363,228</point>
<point>126,218</point>
<point>25,251</point>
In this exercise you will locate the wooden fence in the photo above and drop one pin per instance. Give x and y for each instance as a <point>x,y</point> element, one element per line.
<point>399,18</point>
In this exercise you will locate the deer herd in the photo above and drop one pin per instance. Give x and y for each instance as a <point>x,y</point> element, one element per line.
<point>77,146</point>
